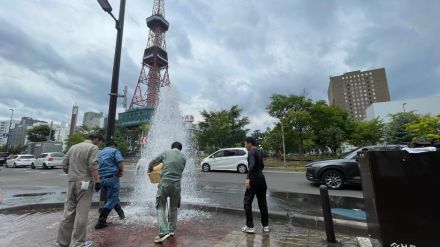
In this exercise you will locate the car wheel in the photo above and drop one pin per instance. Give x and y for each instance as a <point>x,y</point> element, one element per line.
<point>33,166</point>
<point>206,167</point>
<point>333,179</point>
<point>242,168</point>
<point>44,166</point>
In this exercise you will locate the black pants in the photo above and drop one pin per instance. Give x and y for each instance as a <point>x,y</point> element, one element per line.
<point>258,188</point>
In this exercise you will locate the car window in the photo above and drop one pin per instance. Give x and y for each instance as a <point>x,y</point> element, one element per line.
<point>229,153</point>
<point>352,155</point>
<point>219,154</point>
<point>57,154</point>
<point>27,157</point>
<point>240,152</point>
<point>42,156</point>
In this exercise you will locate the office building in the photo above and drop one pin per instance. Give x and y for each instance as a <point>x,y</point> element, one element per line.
<point>354,91</point>
<point>93,120</point>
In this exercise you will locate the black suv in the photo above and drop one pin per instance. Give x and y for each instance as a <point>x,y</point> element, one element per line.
<point>336,173</point>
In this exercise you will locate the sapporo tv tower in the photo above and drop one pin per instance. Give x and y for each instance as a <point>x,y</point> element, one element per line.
<point>154,72</point>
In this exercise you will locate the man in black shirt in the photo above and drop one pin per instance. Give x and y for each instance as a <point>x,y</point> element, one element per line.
<point>255,186</point>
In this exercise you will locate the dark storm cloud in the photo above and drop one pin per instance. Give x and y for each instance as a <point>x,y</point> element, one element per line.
<point>226,52</point>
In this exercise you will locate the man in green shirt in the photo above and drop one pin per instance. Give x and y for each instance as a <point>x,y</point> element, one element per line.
<point>174,162</point>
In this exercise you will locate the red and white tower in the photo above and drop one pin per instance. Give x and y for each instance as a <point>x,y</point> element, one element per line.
<point>154,72</point>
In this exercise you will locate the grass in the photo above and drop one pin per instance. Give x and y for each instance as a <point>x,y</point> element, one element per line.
<point>277,164</point>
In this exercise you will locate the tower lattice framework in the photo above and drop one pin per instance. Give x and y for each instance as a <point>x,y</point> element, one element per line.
<point>154,72</point>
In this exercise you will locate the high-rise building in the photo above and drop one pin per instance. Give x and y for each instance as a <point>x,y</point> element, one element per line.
<point>74,119</point>
<point>354,91</point>
<point>18,134</point>
<point>4,130</point>
<point>93,119</point>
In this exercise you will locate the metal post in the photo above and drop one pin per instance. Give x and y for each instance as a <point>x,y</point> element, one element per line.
<point>284,144</point>
<point>115,78</point>
<point>9,131</point>
<point>114,88</point>
<point>328,219</point>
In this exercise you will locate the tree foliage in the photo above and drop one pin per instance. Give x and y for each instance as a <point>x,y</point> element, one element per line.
<point>293,113</point>
<point>40,133</point>
<point>18,149</point>
<point>395,132</point>
<point>220,129</point>
<point>331,126</point>
<point>367,133</point>
<point>426,129</point>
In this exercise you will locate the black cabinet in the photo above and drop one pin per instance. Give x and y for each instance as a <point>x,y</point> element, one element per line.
<point>402,197</point>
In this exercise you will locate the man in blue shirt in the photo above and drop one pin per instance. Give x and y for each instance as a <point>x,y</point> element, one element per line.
<point>111,168</point>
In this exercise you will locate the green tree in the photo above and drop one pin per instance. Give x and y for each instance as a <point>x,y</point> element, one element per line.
<point>293,112</point>
<point>395,132</point>
<point>367,133</point>
<point>273,140</point>
<point>18,149</point>
<point>219,129</point>
<point>426,129</point>
<point>40,133</point>
<point>331,126</point>
<point>75,139</point>
<point>258,135</point>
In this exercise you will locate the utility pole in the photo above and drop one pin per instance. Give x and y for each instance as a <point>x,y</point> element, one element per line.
<point>284,144</point>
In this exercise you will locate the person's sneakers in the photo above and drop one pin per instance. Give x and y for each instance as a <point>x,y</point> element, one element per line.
<point>88,243</point>
<point>248,229</point>
<point>160,239</point>
<point>266,229</point>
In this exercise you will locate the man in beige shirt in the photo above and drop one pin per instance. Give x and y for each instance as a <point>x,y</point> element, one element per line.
<point>81,165</point>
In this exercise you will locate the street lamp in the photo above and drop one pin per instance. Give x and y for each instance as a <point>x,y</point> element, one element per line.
<point>403,105</point>
<point>115,78</point>
<point>9,130</point>
<point>116,65</point>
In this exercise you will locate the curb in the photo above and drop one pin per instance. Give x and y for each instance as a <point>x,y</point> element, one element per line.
<point>308,221</point>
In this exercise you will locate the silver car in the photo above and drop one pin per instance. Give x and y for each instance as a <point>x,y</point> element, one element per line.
<point>20,160</point>
<point>46,160</point>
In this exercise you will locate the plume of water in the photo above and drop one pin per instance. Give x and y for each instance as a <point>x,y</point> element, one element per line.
<point>166,127</point>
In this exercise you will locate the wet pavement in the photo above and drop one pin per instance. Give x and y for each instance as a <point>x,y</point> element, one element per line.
<point>195,228</point>
<point>213,193</point>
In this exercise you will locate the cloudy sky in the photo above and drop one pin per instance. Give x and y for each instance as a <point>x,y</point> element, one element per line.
<point>55,53</point>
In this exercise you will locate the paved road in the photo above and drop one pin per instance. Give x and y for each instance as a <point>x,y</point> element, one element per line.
<point>26,180</point>
<point>278,181</point>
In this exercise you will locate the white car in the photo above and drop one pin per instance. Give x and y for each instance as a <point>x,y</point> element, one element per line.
<point>229,159</point>
<point>46,160</point>
<point>20,160</point>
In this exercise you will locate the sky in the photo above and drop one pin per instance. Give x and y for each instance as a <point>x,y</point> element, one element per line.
<point>57,53</point>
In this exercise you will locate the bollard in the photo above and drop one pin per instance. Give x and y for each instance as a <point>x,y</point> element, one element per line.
<point>328,218</point>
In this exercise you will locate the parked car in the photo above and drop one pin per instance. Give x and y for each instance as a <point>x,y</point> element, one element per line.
<point>20,160</point>
<point>3,158</point>
<point>339,172</point>
<point>46,160</point>
<point>229,159</point>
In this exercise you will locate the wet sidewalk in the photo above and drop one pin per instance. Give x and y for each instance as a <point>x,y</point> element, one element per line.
<point>195,228</point>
